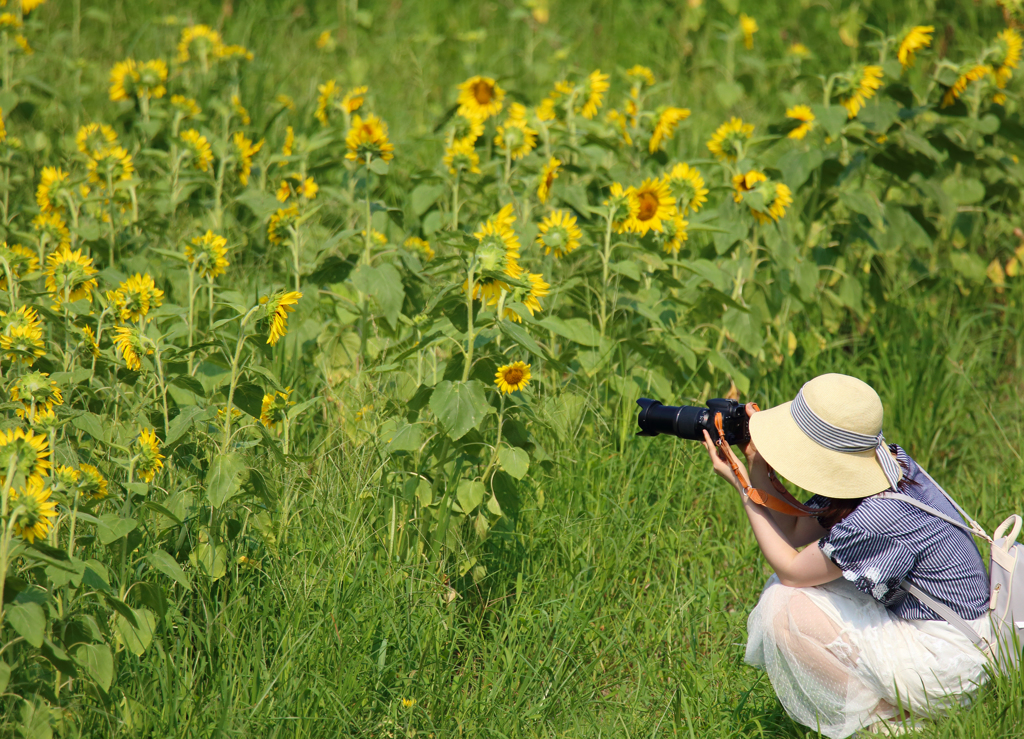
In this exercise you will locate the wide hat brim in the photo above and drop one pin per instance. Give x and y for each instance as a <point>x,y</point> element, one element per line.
<point>807,464</point>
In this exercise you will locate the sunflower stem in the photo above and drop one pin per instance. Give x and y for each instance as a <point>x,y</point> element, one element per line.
<point>469,321</point>
<point>368,241</point>
<point>110,204</point>
<point>163,388</point>
<point>191,314</point>
<point>234,378</point>
<point>74,520</point>
<point>606,256</point>
<point>5,543</point>
<point>455,201</point>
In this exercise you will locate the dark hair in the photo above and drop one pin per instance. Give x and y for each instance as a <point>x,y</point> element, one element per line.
<point>839,508</point>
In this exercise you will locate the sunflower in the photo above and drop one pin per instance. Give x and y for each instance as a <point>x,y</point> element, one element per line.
<point>245,150</point>
<point>240,110</point>
<point>135,296</point>
<point>66,478</point>
<point>548,108</point>
<point>548,175</point>
<point>1010,51</point>
<point>89,341</point>
<point>51,186</point>
<point>415,243</point>
<point>668,119</point>
<point>1011,44</point>
<point>277,307</point>
<point>186,107</point>
<point>368,138</point>
<point>92,483</point>
<point>917,38</point>
<point>27,6</point>
<point>466,129</point>
<point>516,138</point>
<point>497,255</point>
<point>559,234</point>
<point>23,44</point>
<point>275,408</point>
<point>35,391</point>
<point>129,79</point>
<point>353,99</point>
<point>113,162</point>
<point>22,336</point>
<point>594,88</point>
<point>3,127</point>
<point>687,187</point>
<point>129,342</point>
<point>200,40</point>
<point>327,92</point>
<point>975,73</point>
<point>20,260</point>
<point>34,512</point>
<point>207,255</point>
<point>620,121</point>
<point>93,138</point>
<point>289,143</point>
<point>480,98</point>
<point>151,78</point>
<point>748,26</point>
<point>656,205</point>
<point>673,235</point>
<point>148,459</point>
<point>640,75</point>
<point>52,226</point>
<point>529,298</point>
<point>624,206</point>
<point>200,148</point>
<point>69,275</point>
<point>280,221</point>
<point>122,80</point>
<point>461,156</point>
<point>776,195</point>
<point>293,186</point>
<point>512,377</point>
<point>233,51</point>
<point>862,87</point>
<point>376,237</point>
<point>799,50</point>
<point>726,143</point>
<point>27,452</point>
<point>803,114</point>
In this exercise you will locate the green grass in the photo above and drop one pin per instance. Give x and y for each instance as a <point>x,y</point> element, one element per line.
<point>617,599</point>
<point>615,607</point>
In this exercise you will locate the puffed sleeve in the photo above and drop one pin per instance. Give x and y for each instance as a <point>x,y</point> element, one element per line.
<point>872,561</point>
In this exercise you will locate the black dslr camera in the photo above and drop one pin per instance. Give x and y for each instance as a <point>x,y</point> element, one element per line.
<point>690,421</point>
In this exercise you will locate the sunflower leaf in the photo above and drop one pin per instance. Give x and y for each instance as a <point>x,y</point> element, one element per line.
<point>459,406</point>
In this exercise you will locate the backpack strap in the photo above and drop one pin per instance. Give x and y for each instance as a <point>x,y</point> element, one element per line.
<point>951,616</point>
<point>928,509</point>
<point>975,526</point>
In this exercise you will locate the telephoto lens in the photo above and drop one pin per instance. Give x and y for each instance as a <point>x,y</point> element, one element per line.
<point>691,421</point>
<point>684,421</point>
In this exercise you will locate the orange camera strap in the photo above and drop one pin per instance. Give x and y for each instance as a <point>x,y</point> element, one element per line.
<point>786,503</point>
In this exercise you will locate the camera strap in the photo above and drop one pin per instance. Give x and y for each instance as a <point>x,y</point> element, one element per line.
<point>786,504</point>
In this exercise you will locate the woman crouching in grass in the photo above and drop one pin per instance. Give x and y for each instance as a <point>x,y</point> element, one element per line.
<point>844,645</point>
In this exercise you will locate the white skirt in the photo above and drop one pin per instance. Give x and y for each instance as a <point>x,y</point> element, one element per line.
<point>840,661</point>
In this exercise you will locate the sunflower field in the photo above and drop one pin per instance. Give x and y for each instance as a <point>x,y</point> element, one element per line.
<point>320,323</point>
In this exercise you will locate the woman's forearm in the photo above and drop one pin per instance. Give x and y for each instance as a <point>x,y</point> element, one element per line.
<point>798,569</point>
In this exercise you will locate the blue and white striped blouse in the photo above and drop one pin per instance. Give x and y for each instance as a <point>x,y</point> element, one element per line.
<point>885,541</point>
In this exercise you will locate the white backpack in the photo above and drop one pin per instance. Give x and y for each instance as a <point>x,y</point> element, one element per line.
<point>1006,576</point>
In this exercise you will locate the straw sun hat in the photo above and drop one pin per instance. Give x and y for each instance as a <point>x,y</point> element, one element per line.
<point>831,442</point>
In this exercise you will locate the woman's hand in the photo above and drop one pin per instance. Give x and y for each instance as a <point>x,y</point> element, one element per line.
<point>722,467</point>
<point>748,449</point>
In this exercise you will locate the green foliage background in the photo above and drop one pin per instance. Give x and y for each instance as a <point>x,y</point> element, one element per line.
<point>308,586</point>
